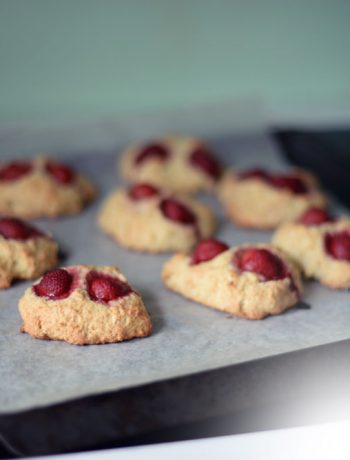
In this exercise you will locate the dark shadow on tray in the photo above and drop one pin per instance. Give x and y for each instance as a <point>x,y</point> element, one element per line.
<point>63,254</point>
<point>302,306</point>
<point>17,282</point>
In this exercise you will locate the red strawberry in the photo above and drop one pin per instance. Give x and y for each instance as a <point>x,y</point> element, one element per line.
<point>176,211</point>
<point>14,170</point>
<point>141,191</point>
<point>315,216</point>
<point>262,262</point>
<point>255,173</point>
<point>55,285</point>
<point>105,288</point>
<point>60,172</point>
<point>204,160</point>
<point>290,182</point>
<point>16,229</point>
<point>338,245</point>
<point>207,250</point>
<point>158,151</point>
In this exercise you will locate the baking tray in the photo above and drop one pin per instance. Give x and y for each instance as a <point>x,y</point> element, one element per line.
<point>187,339</point>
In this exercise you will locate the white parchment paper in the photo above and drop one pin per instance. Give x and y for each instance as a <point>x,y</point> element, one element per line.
<point>187,337</point>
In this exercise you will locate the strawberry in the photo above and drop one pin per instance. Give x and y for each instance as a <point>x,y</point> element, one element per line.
<point>158,151</point>
<point>142,191</point>
<point>104,288</point>
<point>262,262</point>
<point>338,245</point>
<point>55,284</point>
<point>177,212</point>
<point>17,229</point>
<point>14,170</point>
<point>62,173</point>
<point>207,250</point>
<point>203,159</point>
<point>315,216</point>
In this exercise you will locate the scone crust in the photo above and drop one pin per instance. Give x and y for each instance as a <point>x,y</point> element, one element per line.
<point>305,244</point>
<point>175,175</point>
<point>140,225</point>
<point>254,203</point>
<point>37,194</point>
<point>79,320</point>
<point>26,259</point>
<point>219,284</point>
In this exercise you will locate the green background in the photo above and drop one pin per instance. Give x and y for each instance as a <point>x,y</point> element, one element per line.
<point>90,57</point>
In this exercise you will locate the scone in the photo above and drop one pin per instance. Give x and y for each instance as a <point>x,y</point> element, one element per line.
<point>25,251</point>
<point>42,188</point>
<point>320,245</point>
<point>250,281</point>
<point>173,163</point>
<point>84,305</point>
<point>144,218</point>
<point>262,200</point>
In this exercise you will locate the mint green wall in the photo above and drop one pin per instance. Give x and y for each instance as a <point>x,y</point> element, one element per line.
<point>88,57</point>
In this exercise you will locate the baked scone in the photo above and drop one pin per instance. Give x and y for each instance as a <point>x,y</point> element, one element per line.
<point>173,163</point>
<point>320,245</point>
<point>84,305</point>
<point>25,251</point>
<point>262,200</point>
<point>144,218</point>
<point>250,281</point>
<point>42,188</point>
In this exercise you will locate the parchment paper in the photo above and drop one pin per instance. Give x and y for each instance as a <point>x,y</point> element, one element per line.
<point>187,337</point>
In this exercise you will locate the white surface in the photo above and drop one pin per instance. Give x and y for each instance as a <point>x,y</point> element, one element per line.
<point>320,442</point>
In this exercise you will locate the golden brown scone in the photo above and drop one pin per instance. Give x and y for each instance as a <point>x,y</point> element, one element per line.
<point>250,281</point>
<point>258,199</point>
<point>173,163</point>
<point>321,248</point>
<point>25,252</point>
<point>145,219</point>
<point>42,188</point>
<point>84,305</point>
